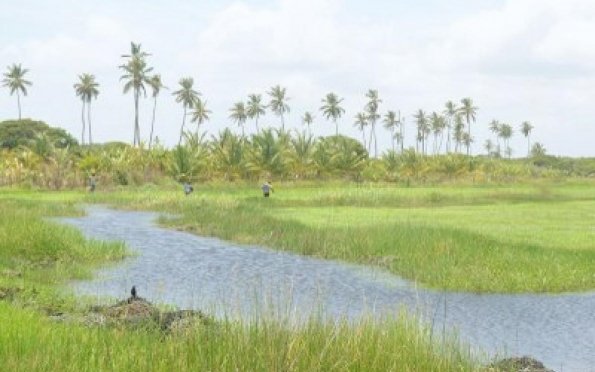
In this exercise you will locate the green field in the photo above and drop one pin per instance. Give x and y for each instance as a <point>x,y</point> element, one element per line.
<point>519,238</point>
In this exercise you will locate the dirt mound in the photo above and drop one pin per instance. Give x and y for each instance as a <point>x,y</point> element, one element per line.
<point>522,364</point>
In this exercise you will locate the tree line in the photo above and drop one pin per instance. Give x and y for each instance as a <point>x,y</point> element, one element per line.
<point>443,131</point>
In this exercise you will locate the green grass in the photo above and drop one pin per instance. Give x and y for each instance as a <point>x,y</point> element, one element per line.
<point>37,255</point>
<point>47,255</point>
<point>511,238</point>
<point>30,343</point>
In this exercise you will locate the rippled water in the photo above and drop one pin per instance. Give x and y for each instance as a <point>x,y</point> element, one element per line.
<point>204,273</point>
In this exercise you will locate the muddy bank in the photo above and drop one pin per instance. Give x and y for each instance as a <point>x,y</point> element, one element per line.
<point>137,312</point>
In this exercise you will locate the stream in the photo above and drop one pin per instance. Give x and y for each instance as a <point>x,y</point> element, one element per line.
<point>230,280</point>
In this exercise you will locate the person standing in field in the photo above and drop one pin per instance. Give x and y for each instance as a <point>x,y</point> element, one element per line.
<point>267,188</point>
<point>188,188</point>
<point>92,182</point>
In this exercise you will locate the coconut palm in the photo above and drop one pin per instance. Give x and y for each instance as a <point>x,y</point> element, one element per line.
<point>156,85</point>
<point>278,103</point>
<point>505,133</point>
<point>361,122</point>
<point>255,109</point>
<point>495,128</point>
<point>437,124</point>
<point>538,150</point>
<point>489,147</point>
<point>468,111</point>
<point>239,115</point>
<point>423,129</point>
<point>307,120</point>
<point>391,122</point>
<point>400,136</point>
<point>331,109</point>
<point>301,149</point>
<point>373,116</point>
<point>467,140</point>
<point>201,113</point>
<point>136,75</point>
<point>136,51</point>
<point>458,131</point>
<point>86,89</point>
<point>15,81</point>
<point>187,96</point>
<point>526,129</point>
<point>450,111</point>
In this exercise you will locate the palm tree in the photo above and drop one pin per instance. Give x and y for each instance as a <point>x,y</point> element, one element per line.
<point>423,128</point>
<point>505,133</point>
<point>495,128</point>
<point>15,80</point>
<point>301,149</point>
<point>307,120</point>
<point>538,149</point>
<point>526,129</point>
<point>458,131</point>
<point>331,109</point>
<point>239,115</point>
<point>373,116</point>
<point>450,111</point>
<point>201,113</point>
<point>390,122</point>
<point>489,146</point>
<point>136,75</point>
<point>255,108</point>
<point>156,85</point>
<point>86,89</point>
<point>437,124</point>
<point>468,111</point>
<point>361,122</point>
<point>278,102</point>
<point>187,96</point>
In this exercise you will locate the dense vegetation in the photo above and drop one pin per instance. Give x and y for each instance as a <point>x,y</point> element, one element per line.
<point>43,160</point>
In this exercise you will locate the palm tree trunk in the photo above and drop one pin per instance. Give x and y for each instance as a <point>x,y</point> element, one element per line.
<point>153,121</point>
<point>468,131</point>
<point>83,120</point>
<point>136,140</point>
<point>89,116</point>
<point>371,135</point>
<point>257,129</point>
<point>392,136</point>
<point>182,129</point>
<point>19,103</point>
<point>336,127</point>
<point>448,138</point>
<point>282,123</point>
<point>528,146</point>
<point>375,142</point>
<point>364,136</point>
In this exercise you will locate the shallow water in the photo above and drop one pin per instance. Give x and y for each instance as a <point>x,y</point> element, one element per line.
<point>189,271</point>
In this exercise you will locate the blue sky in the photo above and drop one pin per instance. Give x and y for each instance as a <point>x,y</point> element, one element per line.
<point>517,59</point>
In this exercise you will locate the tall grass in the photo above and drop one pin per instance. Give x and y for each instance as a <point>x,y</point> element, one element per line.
<point>29,343</point>
<point>37,254</point>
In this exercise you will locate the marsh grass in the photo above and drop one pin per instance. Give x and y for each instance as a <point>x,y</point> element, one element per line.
<point>519,238</point>
<point>37,254</point>
<point>31,343</point>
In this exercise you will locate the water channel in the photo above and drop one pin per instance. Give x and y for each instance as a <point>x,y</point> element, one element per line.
<point>189,271</point>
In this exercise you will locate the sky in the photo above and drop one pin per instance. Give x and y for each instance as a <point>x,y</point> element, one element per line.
<point>518,60</point>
